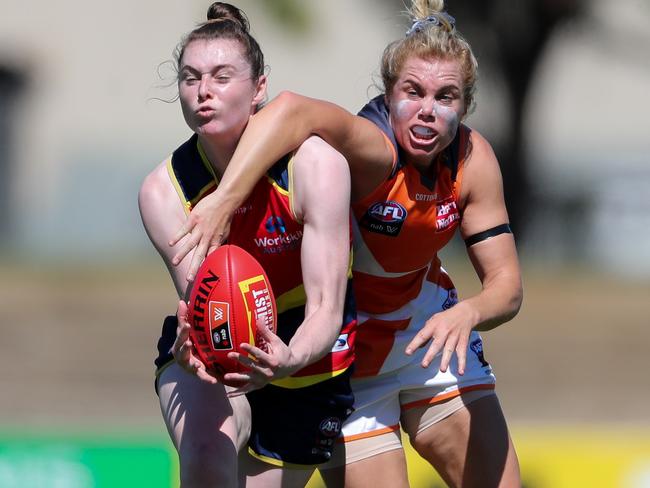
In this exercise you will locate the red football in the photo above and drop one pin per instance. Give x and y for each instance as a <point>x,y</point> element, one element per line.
<point>230,294</point>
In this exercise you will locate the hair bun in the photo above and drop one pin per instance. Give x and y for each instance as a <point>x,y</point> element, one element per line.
<point>224,11</point>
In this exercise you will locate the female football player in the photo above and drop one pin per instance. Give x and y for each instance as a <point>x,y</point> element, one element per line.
<point>418,175</point>
<point>285,226</point>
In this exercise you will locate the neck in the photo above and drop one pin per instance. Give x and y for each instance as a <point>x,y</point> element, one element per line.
<point>426,167</point>
<point>218,151</point>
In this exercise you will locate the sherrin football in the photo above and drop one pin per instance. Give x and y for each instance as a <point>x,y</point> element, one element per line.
<point>230,295</point>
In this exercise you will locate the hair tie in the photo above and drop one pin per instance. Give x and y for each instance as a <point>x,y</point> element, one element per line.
<point>420,24</point>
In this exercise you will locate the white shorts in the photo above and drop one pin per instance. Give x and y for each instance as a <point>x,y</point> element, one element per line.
<point>381,400</point>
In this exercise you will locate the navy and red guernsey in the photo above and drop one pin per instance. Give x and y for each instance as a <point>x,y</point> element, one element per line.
<point>266,226</point>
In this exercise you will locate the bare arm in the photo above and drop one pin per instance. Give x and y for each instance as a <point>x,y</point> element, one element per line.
<point>321,200</point>
<point>495,261</point>
<point>277,129</point>
<point>162,213</point>
<point>322,188</point>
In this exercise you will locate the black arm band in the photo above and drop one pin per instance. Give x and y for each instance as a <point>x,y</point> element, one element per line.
<point>486,234</point>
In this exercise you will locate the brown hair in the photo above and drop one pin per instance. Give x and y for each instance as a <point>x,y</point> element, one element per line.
<point>226,21</point>
<point>432,35</point>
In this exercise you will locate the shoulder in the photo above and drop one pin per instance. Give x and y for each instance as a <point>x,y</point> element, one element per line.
<point>315,146</point>
<point>479,155</point>
<point>319,172</point>
<point>315,156</point>
<point>481,173</point>
<point>478,143</point>
<point>158,199</point>
<point>155,186</point>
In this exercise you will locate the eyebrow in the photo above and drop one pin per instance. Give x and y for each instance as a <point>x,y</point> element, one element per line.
<point>447,87</point>
<point>218,67</point>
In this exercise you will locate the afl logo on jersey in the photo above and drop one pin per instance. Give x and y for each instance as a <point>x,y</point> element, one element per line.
<point>384,218</point>
<point>389,212</point>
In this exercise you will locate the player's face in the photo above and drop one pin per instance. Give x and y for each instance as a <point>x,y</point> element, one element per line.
<point>215,88</point>
<point>426,106</point>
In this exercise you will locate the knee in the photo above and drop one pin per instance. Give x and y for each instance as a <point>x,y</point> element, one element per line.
<point>206,465</point>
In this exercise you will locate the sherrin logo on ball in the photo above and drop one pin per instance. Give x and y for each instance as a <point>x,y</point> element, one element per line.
<point>230,296</point>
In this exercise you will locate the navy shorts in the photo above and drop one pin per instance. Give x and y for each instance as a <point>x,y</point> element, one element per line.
<point>299,426</point>
<point>166,341</point>
<point>290,426</point>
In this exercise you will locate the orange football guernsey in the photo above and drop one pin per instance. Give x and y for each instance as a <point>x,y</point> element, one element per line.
<point>266,227</point>
<point>398,230</point>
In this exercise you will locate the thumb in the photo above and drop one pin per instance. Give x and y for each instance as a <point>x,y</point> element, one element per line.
<point>264,336</point>
<point>264,329</point>
<point>182,310</point>
<point>182,316</point>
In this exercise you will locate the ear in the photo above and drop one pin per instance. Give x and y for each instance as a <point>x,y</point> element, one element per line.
<point>260,92</point>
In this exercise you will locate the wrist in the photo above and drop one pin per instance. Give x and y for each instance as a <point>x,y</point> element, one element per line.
<point>472,314</point>
<point>230,196</point>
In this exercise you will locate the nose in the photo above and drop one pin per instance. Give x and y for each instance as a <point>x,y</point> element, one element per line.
<point>204,87</point>
<point>427,108</point>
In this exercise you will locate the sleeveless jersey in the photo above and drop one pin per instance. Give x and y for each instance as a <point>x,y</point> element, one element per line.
<point>266,227</point>
<point>398,230</point>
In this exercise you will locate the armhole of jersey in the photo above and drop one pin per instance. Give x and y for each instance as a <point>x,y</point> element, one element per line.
<point>393,168</point>
<point>172,177</point>
<point>291,190</point>
<point>462,148</point>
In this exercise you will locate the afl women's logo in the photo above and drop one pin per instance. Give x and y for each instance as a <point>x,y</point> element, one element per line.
<point>384,218</point>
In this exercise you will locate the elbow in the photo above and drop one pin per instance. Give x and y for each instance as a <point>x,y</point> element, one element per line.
<point>288,102</point>
<point>515,302</point>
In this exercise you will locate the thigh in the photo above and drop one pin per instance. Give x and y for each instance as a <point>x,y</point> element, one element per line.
<point>374,461</point>
<point>254,473</point>
<point>199,415</point>
<point>415,420</point>
<point>370,449</point>
<point>471,447</point>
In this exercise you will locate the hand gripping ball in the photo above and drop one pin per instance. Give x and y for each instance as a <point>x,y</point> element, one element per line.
<point>230,296</point>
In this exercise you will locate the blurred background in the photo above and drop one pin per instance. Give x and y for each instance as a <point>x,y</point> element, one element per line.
<point>87,109</point>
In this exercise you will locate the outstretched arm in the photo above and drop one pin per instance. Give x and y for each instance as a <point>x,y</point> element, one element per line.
<point>494,259</point>
<point>274,131</point>
<point>325,248</point>
<point>162,213</point>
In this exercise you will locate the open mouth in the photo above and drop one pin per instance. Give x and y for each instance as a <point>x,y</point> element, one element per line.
<point>422,133</point>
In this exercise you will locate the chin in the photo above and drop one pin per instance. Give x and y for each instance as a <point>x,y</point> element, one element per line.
<point>209,129</point>
<point>418,151</point>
